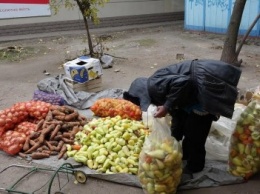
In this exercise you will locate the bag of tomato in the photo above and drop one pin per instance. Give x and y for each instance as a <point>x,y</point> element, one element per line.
<point>111,107</point>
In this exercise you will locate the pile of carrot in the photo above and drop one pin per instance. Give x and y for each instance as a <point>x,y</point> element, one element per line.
<point>53,133</point>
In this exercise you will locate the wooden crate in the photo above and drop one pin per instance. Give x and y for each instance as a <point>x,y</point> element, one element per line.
<point>94,85</point>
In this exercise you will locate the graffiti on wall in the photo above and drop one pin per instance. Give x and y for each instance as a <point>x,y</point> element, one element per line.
<point>222,4</point>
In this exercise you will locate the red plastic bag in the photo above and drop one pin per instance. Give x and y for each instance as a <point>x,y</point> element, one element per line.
<point>12,142</point>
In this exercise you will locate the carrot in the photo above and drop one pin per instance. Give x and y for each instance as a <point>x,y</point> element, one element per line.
<point>33,148</point>
<point>68,109</point>
<point>40,139</point>
<point>76,147</point>
<point>26,145</point>
<point>39,125</point>
<point>65,156</point>
<point>56,112</point>
<point>62,151</point>
<point>55,131</point>
<point>54,153</point>
<point>31,142</point>
<point>47,130</point>
<point>44,147</point>
<point>67,135</point>
<point>55,122</point>
<point>69,117</point>
<point>46,151</point>
<point>45,124</point>
<point>34,135</point>
<point>54,143</point>
<point>69,141</point>
<point>49,116</point>
<point>83,120</point>
<point>68,125</point>
<point>39,155</point>
<point>44,132</point>
<point>83,123</point>
<point>23,155</point>
<point>57,137</point>
<point>64,109</point>
<point>54,107</point>
<point>49,145</point>
<point>51,153</point>
<point>58,148</point>
<point>75,130</point>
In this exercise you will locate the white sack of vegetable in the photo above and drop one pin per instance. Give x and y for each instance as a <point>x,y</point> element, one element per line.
<point>160,161</point>
<point>218,140</point>
<point>244,150</point>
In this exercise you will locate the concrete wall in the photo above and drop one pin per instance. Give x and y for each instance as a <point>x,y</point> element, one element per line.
<point>113,14</point>
<point>115,8</point>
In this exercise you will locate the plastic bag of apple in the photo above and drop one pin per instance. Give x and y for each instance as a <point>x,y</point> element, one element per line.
<point>109,145</point>
<point>244,151</point>
<point>160,162</point>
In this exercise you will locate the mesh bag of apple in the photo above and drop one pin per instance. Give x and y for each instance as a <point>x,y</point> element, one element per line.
<point>111,107</point>
<point>244,151</point>
<point>160,161</point>
<point>109,145</point>
<point>14,127</point>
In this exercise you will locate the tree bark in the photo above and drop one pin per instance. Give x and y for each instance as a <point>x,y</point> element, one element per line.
<point>229,50</point>
<point>246,35</point>
<point>90,44</point>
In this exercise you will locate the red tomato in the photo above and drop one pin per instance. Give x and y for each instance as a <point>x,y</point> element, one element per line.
<point>148,159</point>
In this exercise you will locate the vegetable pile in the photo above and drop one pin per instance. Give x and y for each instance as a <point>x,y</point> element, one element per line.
<point>110,145</point>
<point>20,112</point>
<point>38,129</point>
<point>244,156</point>
<point>111,107</point>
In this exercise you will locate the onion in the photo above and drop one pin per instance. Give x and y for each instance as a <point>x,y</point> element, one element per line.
<point>2,122</point>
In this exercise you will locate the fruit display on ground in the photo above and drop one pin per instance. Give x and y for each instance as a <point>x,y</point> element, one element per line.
<point>110,145</point>
<point>38,129</point>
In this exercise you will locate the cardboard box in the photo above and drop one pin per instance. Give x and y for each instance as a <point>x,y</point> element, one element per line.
<point>94,85</point>
<point>83,69</point>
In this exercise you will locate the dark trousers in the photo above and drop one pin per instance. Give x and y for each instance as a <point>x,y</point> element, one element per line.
<point>193,130</point>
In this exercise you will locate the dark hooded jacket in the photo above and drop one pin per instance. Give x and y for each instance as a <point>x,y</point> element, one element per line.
<point>210,83</point>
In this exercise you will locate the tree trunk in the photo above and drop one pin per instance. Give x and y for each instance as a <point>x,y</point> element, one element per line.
<point>90,45</point>
<point>246,35</point>
<point>229,49</point>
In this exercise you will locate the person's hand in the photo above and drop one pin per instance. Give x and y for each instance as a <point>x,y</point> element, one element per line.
<point>160,112</point>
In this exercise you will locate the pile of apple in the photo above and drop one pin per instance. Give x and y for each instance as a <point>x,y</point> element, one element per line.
<point>160,166</point>
<point>244,152</point>
<point>110,145</point>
